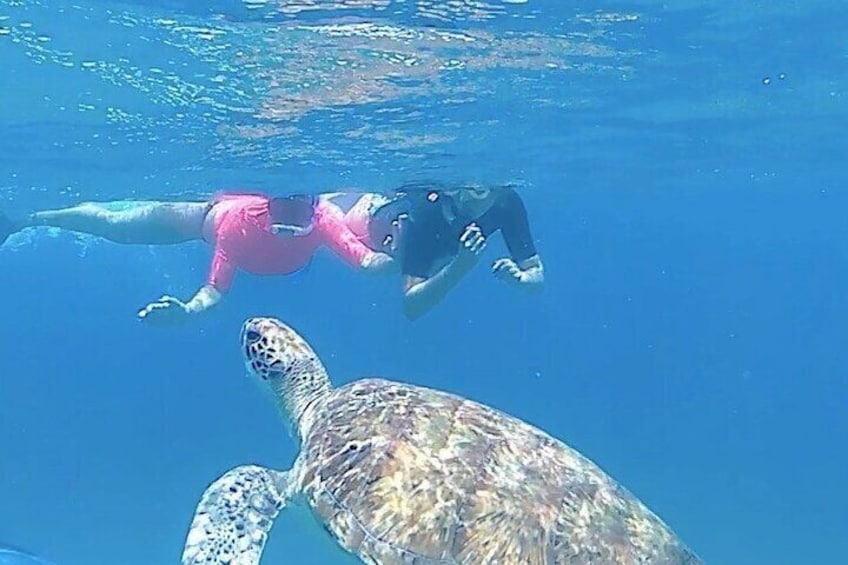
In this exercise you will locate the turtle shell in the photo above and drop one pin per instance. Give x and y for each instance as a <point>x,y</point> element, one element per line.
<point>405,474</point>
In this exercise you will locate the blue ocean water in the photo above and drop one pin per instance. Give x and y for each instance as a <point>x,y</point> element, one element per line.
<point>682,168</point>
<point>11,555</point>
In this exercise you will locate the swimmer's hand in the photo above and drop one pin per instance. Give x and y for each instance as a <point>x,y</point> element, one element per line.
<point>170,310</point>
<point>379,264</point>
<point>506,270</point>
<point>165,311</point>
<point>472,242</point>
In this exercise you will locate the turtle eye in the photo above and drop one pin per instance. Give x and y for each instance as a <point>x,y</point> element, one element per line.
<point>252,336</point>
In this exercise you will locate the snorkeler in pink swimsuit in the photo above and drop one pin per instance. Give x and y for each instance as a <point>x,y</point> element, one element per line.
<point>250,232</point>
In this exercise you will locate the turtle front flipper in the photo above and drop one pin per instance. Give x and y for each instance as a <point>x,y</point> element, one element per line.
<point>234,516</point>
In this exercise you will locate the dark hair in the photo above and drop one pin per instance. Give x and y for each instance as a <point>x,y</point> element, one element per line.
<point>293,209</point>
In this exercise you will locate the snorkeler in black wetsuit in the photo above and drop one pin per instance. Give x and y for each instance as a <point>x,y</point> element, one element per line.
<point>440,234</point>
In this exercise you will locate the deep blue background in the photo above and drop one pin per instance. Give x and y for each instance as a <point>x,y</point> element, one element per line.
<point>690,338</point>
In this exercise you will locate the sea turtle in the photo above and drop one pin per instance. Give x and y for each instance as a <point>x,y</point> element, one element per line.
<point>401,474</point>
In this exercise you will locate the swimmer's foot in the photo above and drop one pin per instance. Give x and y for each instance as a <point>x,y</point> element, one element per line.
<point>7,227</point>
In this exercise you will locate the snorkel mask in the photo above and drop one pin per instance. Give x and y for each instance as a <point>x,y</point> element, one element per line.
<point>294,215</point>
<point>469,193</point>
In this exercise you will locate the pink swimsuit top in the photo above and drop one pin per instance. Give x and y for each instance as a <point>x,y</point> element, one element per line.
<point>243,240</point>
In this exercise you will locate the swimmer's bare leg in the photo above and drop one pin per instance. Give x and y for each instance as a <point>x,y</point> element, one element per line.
<point>145,223</point>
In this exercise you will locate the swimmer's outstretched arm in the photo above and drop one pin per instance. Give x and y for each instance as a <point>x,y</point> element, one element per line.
<point>169,310</point>
<point>221,274</point>
<point>205,298</point>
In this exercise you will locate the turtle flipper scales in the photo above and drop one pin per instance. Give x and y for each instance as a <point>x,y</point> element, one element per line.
<point>234,516</point>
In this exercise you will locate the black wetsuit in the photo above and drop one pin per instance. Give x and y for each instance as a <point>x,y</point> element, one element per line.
<point>432,235</point>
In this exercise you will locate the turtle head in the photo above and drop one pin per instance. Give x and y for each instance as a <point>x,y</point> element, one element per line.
<point>286,366</point>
